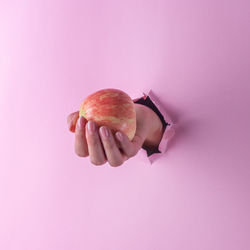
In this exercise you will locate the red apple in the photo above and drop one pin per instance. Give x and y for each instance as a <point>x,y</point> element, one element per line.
<point>112,108</point>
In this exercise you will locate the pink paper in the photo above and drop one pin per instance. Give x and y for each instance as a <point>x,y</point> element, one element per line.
<point>167,135</point>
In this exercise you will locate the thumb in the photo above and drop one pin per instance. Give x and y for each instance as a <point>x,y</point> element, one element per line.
<point>71,120</point>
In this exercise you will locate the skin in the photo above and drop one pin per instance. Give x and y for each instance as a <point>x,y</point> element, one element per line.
<point>100,149</point>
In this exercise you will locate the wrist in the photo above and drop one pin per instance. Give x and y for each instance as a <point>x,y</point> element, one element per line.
<point>155,130</point>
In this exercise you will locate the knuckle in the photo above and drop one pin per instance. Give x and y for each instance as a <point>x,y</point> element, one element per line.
<point>109,145</point>
<point>133,152</point>
<point>92,140</point>
<point>115,164</point>
<point>97,162</point>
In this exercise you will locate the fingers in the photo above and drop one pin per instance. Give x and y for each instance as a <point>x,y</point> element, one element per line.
<point>112,152</point>
<point>100,145</point>
<point>96,153</point>
<point>130,148</point>
<point>71,120</point>
<point>81,147</point>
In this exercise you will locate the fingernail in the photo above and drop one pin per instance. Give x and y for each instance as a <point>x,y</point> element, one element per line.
<point>79,122</point>
<point>70,124</point>
<point>91,127</point>
<point>104,132</point>
<point>119,136</point>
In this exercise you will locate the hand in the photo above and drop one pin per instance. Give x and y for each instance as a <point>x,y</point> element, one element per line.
<point>101,149</point>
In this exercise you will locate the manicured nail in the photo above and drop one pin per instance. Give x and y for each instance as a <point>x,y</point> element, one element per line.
<point>119,136</point>
<point>91,127</point>
<point>79,122</point>
<point>104,132</point>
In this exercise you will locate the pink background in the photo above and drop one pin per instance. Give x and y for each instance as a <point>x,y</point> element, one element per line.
<point>194,55</point>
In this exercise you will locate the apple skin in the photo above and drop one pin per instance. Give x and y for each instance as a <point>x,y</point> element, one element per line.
<point>112,108</point>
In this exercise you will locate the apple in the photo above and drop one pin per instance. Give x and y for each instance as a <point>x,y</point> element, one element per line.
<point>112,108</point>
